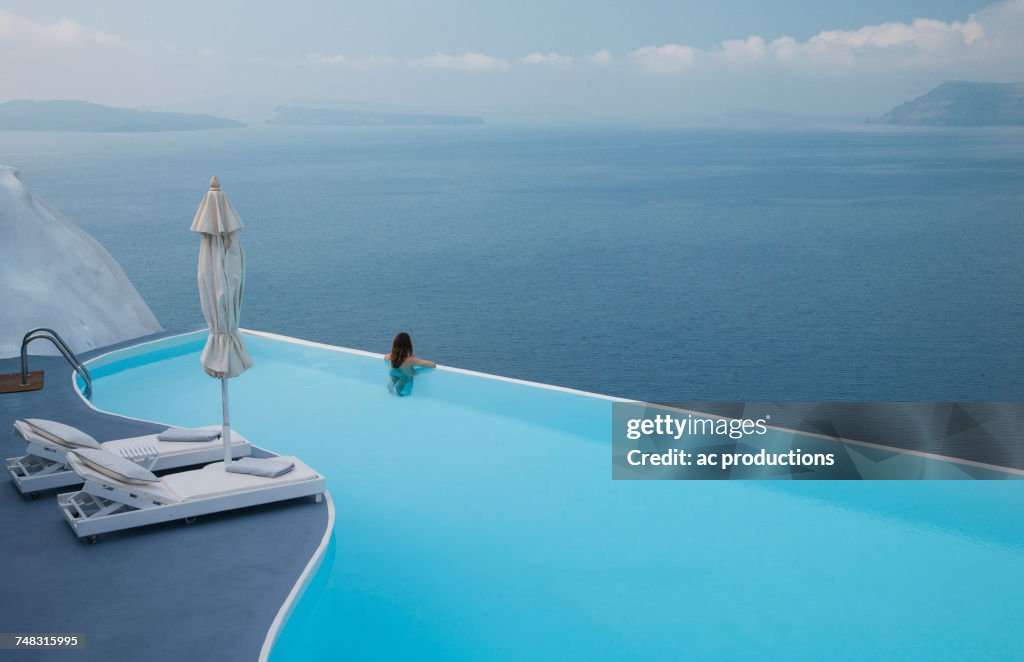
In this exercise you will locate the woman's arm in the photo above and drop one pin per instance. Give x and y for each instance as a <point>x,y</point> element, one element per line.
<point>420,362</point>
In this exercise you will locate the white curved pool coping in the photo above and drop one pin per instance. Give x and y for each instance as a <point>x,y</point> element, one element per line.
<point>335,348</point>
<point>88,403</point>
<point>300,585</point>
<point>461,371</point>
<point>331,347</point>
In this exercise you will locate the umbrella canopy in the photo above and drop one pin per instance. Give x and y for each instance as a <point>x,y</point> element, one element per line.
<point>221,283</point>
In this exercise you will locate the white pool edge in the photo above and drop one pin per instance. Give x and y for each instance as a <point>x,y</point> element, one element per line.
<point>300,585</point>
<point>550,387</point>
<point>88,402</point>
<point>335,348</point>
<point>446,368</point>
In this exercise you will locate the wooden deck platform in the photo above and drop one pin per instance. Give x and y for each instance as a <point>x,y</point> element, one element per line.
<point>12,383</point>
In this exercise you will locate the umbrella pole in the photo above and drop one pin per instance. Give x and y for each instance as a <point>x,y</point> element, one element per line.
<point>226,430</point>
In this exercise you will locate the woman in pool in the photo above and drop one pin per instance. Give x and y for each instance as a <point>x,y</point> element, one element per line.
<point>402,363</point>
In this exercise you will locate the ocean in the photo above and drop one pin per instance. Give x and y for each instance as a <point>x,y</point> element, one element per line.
<point>864,263</point>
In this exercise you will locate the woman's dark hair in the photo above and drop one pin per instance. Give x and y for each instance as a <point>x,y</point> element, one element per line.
<point>401,349</point>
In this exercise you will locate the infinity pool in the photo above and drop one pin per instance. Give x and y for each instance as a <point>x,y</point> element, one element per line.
<point>477,519</point>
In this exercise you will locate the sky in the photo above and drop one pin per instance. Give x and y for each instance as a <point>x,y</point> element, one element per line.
<point>646,61</point>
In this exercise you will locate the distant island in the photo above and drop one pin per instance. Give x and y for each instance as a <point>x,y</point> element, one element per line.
<point>26,115</point>
<point>287,116</point>
<point>960,103</point>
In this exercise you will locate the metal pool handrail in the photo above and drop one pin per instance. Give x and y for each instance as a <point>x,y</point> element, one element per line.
<point>58,342</point>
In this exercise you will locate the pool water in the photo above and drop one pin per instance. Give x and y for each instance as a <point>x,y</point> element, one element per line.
<point>477,519</point>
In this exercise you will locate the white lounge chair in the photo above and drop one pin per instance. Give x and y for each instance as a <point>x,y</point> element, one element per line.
<point>107,504</point>
<point>44,467</point>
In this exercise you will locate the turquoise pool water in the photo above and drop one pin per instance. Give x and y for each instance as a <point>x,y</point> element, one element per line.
<point>477,519</point>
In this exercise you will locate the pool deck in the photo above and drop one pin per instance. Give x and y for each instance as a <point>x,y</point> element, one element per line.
<point>205,591</point>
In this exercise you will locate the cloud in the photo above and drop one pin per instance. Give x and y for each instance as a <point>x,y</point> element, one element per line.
<point>922,42</point>
<point>602,56</point>
<point>670,58</point>
<point>549,58</point>
<point>64,32</point>
<point>355,64</point>
<point>464,62</point>
<point>743,51</point>
<point>987,40</point>
<point>922,33</point>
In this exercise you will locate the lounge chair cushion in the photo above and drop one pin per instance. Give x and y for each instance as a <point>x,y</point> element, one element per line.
<point>261,466</point>
<point>120,468</point>
<point>213,481</point>
<point>183,434</point>
<point>62,434</point>
<point>125,447</point>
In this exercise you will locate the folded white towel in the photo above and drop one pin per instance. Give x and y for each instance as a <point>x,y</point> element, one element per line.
<point>267,467</point>
<point>182,434</point>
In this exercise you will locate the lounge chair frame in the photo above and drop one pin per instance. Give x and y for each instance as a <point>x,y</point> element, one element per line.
<point>99,508</point>
<point>43,468</point>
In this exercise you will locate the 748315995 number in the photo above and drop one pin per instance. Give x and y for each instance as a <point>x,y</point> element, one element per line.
<point>26,640</point>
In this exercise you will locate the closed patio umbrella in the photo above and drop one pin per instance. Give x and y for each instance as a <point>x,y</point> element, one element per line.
<point>221,282</point>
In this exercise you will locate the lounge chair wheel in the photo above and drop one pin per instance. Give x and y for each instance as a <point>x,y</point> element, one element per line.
<point>92,540</point>
<point>190,520</point>
<point>33,495</point>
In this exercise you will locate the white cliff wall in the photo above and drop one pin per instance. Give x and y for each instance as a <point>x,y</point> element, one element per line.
<point>52,274</point>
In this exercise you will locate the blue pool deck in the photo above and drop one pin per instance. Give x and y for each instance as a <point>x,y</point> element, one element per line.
<point>205,591</point>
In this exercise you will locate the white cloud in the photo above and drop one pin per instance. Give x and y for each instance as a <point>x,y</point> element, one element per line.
<point>670,58</point>
<point>603,56</point>
<point>64,32</point>
<point>922,33</point>
<point>464,62</point>
<point>742,51</point>
<point>785,49</point>
<point>988,41</point>
<point>922,42</point>
<point>548,58</point>
<point>356,64</point>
